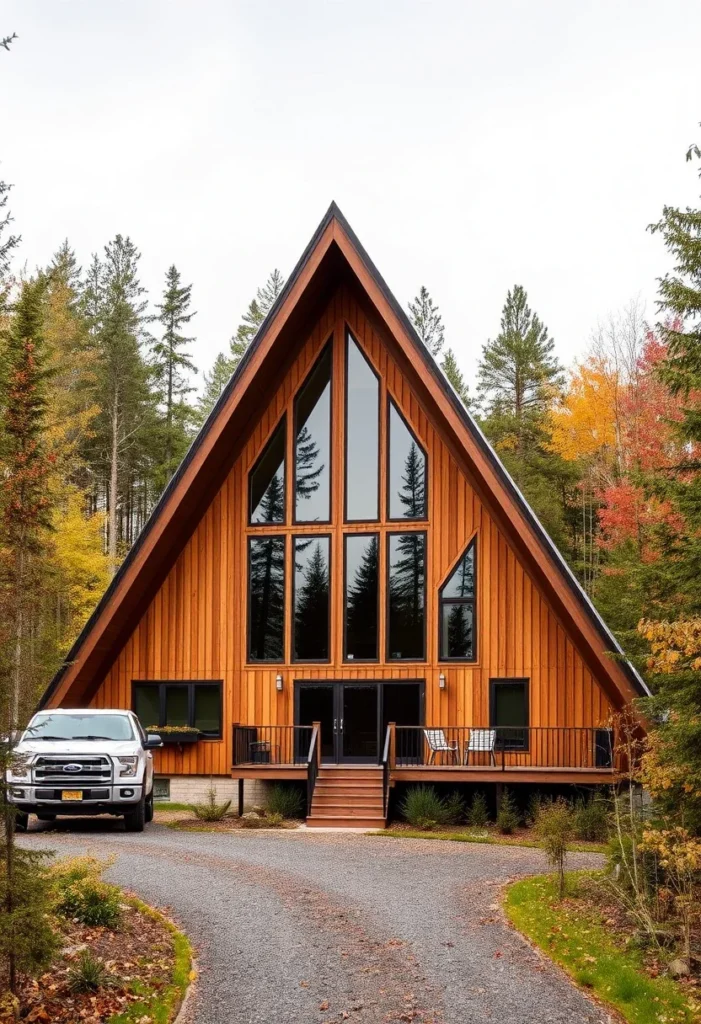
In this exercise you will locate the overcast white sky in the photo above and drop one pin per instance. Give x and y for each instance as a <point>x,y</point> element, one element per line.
<point>472,145</point>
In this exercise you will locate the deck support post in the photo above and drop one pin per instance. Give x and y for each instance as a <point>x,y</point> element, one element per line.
<point>240,798</point>
<point>392,745</point>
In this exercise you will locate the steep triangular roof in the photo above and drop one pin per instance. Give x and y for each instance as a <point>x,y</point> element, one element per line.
<point>333,254</point>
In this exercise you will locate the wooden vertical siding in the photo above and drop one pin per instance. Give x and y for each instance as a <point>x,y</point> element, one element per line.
<point>195,627</point>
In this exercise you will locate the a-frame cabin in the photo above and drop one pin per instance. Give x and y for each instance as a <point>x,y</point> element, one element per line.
<point>342,585</point>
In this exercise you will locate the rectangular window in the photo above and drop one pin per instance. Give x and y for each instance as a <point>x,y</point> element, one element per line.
<point>193,705</point>
<point>311,599</point>
<point>406,596</point>
<point>266,598</point>
<point>312,488</point>
<point>508,712</point>
<point>361,558</point>
<point>362,436</point>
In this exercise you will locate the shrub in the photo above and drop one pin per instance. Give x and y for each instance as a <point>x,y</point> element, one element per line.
<point>252,820</point>
<point>422,805</point>
<point>454,808</point>
<point>27,936</point>
<point>75,869</point>
<point>536,802</point>
<point>591,819</point>
<point>286,801</point>
<point>88,975</point>
<point>91,902</point>
<point>274,820</point>
<point>555,829</point>
<point>478,815</point>
<point>508,818</point>
<point>211,810</point>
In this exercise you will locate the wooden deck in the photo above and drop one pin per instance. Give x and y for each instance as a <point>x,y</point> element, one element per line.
<point>446,773</point>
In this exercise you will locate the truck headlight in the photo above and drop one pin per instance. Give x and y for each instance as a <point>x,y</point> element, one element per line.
<point>127,766</point>
<point>20,766</point>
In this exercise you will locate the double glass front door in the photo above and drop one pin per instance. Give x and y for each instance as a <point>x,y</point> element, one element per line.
<point>352,716</point>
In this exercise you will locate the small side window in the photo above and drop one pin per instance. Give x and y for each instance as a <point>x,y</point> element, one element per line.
<point>509,712</point>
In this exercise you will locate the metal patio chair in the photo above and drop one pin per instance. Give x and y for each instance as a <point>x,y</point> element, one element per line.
<point>439,745</point>
<point>481,741</point>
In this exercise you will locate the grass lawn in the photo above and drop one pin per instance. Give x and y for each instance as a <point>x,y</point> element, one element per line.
<point>169,805</point>
<point>574,935</point>
<point>477,836</point>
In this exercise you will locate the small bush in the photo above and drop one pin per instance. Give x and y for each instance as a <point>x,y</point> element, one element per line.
<point>454,808</point>
<point>425,824</point>
<point>252,820</point>
<point>478,815</point>
<point>287,801</point>
<point>508,818</point>
<point>211,810</point>
<point>91,901</point>
<point>274,820</point>
<point>76,869</point>
<point>536,802</point>
<point>88,975</point>
<point>591,819</point>
<point>555,829</point>
<point>421,805</point>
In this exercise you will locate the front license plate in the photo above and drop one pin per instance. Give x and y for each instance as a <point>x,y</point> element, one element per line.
<point>71,794</point>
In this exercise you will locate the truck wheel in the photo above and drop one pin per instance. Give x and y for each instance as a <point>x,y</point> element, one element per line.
<point>149,807</point>
<point>21,821</point>
<point>134,820</point>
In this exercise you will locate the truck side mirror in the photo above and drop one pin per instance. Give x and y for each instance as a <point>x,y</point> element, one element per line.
<point>153,740</point>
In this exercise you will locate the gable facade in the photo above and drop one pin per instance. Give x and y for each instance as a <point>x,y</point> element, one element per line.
<point>196,626</point>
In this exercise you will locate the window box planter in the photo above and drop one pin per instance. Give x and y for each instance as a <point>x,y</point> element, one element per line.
<point>179,736</point>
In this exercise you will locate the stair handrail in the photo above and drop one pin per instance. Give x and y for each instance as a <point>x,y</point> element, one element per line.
<point>313,762</point>
<point>387,766</point>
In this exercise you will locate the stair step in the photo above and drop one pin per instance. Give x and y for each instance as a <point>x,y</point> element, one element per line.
<point>346,806</point>
<point>350,773</point>
<point>326,821</point>
<point>355,792</point>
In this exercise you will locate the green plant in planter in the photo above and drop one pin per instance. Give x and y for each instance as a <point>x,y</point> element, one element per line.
<point>177,732</point>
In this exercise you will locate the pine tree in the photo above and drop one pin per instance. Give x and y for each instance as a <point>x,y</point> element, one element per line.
<point>413,491</point>
<point>267,580</point>
<point>361,610</point>
<point>117,315</point>
<point>214,383</point>
<point>8,242</point>
<point>172,365</point>
<point>449,366</point>
<point>255,315</point>
<point>428,322</point>
<point>312,607</point>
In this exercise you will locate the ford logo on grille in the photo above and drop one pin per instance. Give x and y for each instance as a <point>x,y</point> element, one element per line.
<point>72,768</point>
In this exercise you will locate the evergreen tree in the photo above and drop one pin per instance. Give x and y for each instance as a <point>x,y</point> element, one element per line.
<point>117,315</point>
<point>214,383</point>
<point>8,242</point>
<point>449,366</point>
<point>172,364</point>
<point>255,315</point>
<point>428,322</point>
<point>413,491</point>
<point>267,583</point>
<point>312,607</point>
<point>307,468</point>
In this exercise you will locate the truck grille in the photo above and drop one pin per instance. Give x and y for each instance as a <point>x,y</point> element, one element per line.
<point>93,770</point>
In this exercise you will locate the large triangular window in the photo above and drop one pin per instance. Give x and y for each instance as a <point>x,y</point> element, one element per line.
<point>266,483</point>
<point>456,609</point>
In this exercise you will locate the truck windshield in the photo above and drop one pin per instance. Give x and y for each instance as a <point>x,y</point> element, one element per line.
<point>79,727</point>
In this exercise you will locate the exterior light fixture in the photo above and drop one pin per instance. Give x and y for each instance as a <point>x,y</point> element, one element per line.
<point>278,682</point>
<point>441,681</point>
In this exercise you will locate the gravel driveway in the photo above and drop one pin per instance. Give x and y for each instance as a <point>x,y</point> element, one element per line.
<point>297,927</point>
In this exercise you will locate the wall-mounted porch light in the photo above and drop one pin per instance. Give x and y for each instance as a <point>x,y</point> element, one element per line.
<point>441,681</point>
<point>278,682</point>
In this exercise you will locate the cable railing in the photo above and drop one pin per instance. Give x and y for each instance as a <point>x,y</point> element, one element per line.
<point>271,744</point>
<point>506,748</point>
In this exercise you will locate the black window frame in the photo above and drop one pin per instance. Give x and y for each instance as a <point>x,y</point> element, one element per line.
<point>328,346</point>
<point>312,537</point>
<point>282,423</point>
<point>401,533</point>
<point>191,684</point>
<point>459,600</point>
<point>513,742</point>
<point>255,538</point>
<point>388,459</point>
<point>349,336</point>
<point>354,660</point>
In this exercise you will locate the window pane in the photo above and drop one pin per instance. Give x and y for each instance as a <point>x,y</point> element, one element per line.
<point>362,436</point>
<point>313,445</point>
<point>266,590</point>
<point>456,630</point>
<point>407,595</point>
<point>406,471</point>
<point>361,596</point>
<point>510,704</point>
<point>147,705</point>
<point>177,705</point>
<point>311,612</point>
<point>208,709</point>
<point>462,580</point>
<point>267,481</point>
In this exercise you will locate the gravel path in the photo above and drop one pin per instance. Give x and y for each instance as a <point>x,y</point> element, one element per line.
<point>296,927</point>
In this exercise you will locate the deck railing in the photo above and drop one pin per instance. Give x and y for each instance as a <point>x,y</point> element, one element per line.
<point>313,762</point>
<point>505,748</point>
<point>271,744</point>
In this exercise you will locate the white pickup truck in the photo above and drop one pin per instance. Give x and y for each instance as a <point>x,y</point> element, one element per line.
<point>86,762</point>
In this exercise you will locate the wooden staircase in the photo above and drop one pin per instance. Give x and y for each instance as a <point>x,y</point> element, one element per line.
<point>346,796</point>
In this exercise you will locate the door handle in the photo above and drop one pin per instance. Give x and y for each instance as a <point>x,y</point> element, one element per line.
<point>335,725</point>
<point>341,725</point>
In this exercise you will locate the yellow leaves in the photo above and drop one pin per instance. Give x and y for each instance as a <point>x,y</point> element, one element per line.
<point>585,421</point>
<point>674,645</point>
